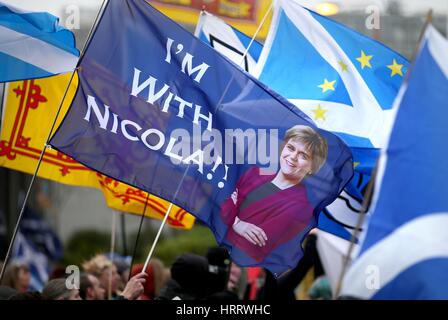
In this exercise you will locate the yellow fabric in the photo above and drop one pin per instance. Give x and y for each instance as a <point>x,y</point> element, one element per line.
<point>29,109</point>
<point>244,15</point>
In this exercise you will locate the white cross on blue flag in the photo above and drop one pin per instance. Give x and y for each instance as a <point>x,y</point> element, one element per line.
<point>33,45</point>
<point>343,80</point>
<point>405,254</point>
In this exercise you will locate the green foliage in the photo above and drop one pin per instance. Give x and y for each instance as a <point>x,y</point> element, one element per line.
<point>196,240</point>
<point>84,244</point>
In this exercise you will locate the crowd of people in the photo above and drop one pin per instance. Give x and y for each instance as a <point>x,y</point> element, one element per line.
<point>191,277</point>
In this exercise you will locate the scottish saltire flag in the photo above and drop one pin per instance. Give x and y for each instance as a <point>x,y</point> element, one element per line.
<point>36,245</point>
<point>39,232</point>
<point>228,41</point>
<point>405,254</point>
<point>33,45</point>
<point>344,81</point>
<point>164,112</point>
<point>340,217</point>
<point>25,252</point>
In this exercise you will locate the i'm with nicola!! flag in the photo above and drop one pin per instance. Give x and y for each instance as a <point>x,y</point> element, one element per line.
<point>162,111</point>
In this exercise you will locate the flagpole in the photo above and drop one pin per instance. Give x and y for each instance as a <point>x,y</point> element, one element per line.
<point>186,170</point>
<point>123,235</point>
<point>370,186</point>
<point>3,102</point>
<point>138,235</point>
<point>112,249</point>
<point>19,219</point>
<point>257,32</point>
<point>246,52</point>
<point>165,218</point>
<point>357,231</point>
<point>420,39</point>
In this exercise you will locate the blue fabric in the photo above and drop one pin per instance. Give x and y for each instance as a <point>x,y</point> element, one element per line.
<point>39,25</point>
<point>39,232</point>
<point>415,165</point>
<point>415,153</point>
<point>233,99</point>
<point>294,66</point>
<point>25,253</point>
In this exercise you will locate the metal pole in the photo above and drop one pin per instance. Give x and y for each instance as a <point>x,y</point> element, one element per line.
<point>112,249</point>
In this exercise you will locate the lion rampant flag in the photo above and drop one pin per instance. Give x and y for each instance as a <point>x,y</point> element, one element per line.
<point>29,109</point>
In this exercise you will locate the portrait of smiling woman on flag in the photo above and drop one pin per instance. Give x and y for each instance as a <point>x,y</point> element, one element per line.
<point>267,210</point>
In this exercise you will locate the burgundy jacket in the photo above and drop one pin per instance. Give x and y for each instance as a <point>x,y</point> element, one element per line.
<point>281,215</point>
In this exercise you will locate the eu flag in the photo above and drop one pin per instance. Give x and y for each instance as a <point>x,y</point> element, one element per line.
<point>343,80</point>
<point>160,110</point>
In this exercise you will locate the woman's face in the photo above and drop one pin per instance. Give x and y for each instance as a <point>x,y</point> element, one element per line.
<point>104,278</point>
<point>23,280</point>
<point>295,160</point>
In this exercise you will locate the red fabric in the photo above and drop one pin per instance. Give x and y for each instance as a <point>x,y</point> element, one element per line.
<point>253,274</point>
<point>281,215</point>
<point>149,289</point>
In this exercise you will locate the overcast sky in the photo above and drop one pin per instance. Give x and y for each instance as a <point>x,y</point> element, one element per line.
<point>55,6</point>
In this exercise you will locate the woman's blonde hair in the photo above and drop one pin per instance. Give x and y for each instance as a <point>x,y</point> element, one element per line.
<point>313,141</point>
<point>97,265</point>
<point>11,275</point>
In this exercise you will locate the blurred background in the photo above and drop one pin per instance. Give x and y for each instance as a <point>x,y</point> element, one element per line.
<point>80,217</point>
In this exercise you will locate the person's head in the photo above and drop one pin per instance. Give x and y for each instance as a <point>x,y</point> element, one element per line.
<point>219,267</point>
<point>56,289</point>
<point>90,288</point>
<point>7,292</point>
<point>123,269</point>
<point>197,276</point>
<point>303,152</point>
<point>102,268</point>
<point>190,271</point>
<point>17,276</point>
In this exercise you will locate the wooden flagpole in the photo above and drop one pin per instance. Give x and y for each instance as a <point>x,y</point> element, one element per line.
<point>112,249</point>
<point>138,235</point>
<point>162,225</point>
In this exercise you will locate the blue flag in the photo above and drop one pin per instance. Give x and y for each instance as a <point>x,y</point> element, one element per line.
<point>39,232</point>
<point>343,80</point>
<point>160,110</point>
<point>405,254</point>
<point>53,47</point>
<point>25,253</point>
<point>36,245</point>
